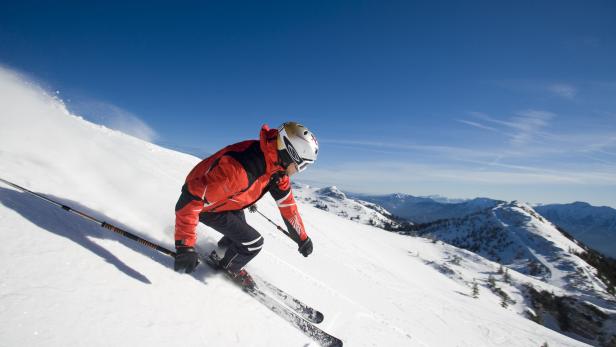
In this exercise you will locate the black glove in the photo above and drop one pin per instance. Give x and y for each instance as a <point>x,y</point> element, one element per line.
<point>186,259</point>
<point>252,208</point>
<point>305,247</point>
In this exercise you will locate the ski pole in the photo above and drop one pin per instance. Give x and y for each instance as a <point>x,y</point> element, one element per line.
<point>103,224</point>
<point>276,225</point>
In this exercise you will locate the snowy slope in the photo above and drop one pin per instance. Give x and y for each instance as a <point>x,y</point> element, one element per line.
<point>593,225</point>
<point>65,281</point>
<point>514,234</point>
<point>333,200</point>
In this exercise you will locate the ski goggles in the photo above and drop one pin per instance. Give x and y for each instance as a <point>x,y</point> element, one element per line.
<point>303,165</point>
<point>300,163</point>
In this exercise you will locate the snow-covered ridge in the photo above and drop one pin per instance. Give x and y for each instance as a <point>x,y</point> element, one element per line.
<point>66,281</point>
<point>593,225</point>
<point>335,201</point>
<point>515,235</point>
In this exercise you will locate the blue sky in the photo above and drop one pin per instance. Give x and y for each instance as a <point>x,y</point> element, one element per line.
<point>511,100</point>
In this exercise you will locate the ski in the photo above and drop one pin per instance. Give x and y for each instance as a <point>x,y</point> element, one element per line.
<point>284,312</point>
<point>304,310</point>
<point>288,314</point>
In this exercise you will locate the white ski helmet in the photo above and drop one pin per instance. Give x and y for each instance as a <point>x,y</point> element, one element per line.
<point>297,144</point>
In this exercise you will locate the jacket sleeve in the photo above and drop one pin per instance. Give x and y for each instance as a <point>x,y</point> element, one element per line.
<point>223,180</point>
<point>282,193</point>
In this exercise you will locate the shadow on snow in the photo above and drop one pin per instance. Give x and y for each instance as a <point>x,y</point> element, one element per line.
<point>80,231</point>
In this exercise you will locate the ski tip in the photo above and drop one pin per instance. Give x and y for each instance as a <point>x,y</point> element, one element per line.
<point>336,343</point>
<point>318,317</point>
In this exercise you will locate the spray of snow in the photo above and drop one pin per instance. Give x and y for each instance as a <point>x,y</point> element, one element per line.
<point>115,118</point>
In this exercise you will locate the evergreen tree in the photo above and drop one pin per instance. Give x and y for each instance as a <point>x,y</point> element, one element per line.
<point>491,281</point>
<point>504,301</point>
<point>506,276</point>
<point>475,289</point>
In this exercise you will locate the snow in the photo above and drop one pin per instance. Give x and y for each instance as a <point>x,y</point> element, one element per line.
<point>515,235</point>
<point>333,200</point>
<point>66,281</point>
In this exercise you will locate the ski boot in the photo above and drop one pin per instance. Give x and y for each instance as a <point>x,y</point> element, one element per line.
<point>241,278</point>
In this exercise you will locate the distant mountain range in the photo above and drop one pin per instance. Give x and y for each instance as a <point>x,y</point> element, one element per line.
<point>427,209</point>
<point>595,226</point>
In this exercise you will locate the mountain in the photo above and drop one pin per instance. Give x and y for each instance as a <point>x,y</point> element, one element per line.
<point>335,201</point>
<point>518,238</point>
<point>521,241</point>
<point>426,209</point>
<point>595,226</point>
<point>444,199</point>
<point>515,235</point>
<point>67,281</point>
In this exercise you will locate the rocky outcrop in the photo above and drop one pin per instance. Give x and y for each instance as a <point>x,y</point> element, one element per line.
<point>574,316</point>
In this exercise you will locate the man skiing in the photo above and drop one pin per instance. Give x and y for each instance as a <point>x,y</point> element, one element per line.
<point>221,186</point>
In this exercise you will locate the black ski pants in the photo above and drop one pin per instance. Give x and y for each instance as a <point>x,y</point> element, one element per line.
<point>243,242</point>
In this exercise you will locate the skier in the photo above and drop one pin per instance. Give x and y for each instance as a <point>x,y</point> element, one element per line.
<point>220,187</point>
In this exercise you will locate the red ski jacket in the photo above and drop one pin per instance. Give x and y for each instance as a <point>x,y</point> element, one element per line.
<point>234,178</point>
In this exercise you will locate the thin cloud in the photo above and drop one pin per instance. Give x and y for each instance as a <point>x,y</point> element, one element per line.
<point>526,134</point>
<point>529,123</point>
<point>606,152</point>
<point>601,143</point>
<point>601,160</point>
<point>360,175</point>
<point>539,87</point>
<point>563,90</point>
<point>450,152</point>
<point>524,127</point>
<point>477,125</point>
<point>583,141</point>
<point>464,153</point>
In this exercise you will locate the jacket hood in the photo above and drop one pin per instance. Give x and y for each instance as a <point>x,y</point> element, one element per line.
<point>267,139</point>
